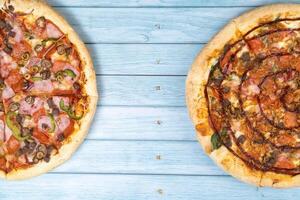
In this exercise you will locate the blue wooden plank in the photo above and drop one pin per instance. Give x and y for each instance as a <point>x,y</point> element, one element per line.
<point>142,90</point>
<point>132,187</point>
<point>143,59</point>
<point>148,25</point>
<point>141,123</point>
<point>163,3</point>
<point>141,157</point>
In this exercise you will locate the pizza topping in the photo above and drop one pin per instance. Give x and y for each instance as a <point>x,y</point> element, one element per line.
<point>253,95</point>
<point>46,124</point>
<point>46,64</point>
<point>7,93</point>
<point>1,107</point>
<point>26,132</point>
<point>76,86</point>
<point>30,99</point>
<point>43,86</point>
<point>40,82</point>
<point>30,105</point>
<point>41,22</point>
<point>38,48</point>
<point>63,122</point>
<point>7,64</point>
<point>14,106</point>
<point>215,141</point>
<point>14,127</point>
<point>25,56</point>
<point>40,155</point>
<point>13,145</point>
<point>45,74</point>
<point>61,49</point>
<point>69,111</point>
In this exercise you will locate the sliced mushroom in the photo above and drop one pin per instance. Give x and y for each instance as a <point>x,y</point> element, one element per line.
<point>46,64</point>
<point>38,48</point>
<point>46,74</point>
<point>41,22</point>
<point>14,106</point>
<point>40,155</point>
<point>30,99</point>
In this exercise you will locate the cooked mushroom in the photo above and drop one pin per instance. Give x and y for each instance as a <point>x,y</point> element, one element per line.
<point>40,155</point>
<point>14,106</point>
<point>41,22</point>
<point>61,49</point>
<point>46,74</point>
<point>30,99</point>
<point>46,64</point>
<point>38,48</point>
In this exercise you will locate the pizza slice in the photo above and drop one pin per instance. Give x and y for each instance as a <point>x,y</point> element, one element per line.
<point>36,126</point>
<point>38,58</point>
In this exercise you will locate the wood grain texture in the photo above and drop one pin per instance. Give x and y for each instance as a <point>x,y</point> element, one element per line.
<point>163,3</point>
<point>148,25</point>
<point>143,59</point>
<point>141,123</point>
<point>132,187</point>
<point>141,157</point>
<point>141,90</point>
<point>142,144</point>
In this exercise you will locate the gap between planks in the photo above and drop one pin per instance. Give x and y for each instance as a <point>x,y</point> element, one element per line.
<point>141,174</point>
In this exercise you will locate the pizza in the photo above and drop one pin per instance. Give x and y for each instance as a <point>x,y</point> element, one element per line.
<point>48,93</point>
<point>243,95</point>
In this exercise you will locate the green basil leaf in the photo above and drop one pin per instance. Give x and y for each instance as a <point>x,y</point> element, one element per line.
<point>215,141</point>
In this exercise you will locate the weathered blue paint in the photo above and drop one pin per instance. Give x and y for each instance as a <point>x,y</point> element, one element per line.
<point>142,144</point>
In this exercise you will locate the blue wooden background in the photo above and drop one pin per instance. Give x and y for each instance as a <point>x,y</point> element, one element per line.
<point>142,144</point>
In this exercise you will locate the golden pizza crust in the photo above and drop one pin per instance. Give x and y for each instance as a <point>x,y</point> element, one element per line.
<point>72,142</point>
<point>2,175</point>
<point>196,102</point>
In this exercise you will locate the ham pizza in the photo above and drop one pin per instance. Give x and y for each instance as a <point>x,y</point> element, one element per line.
<point>243,95</point>
<point>48,93</point>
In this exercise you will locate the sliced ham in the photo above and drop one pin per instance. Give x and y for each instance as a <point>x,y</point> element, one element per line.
<point>33,61</point>
<point>22,159</point>
<point>8,92</point>
<point>74,59</point>
<point>19,33</point>
<point>44,86</point>
<point>62,122</point>
<point>56,100</point>
<point>7,64</point>
<point>2,133</point>
<point>52,31</point>
<point>12,145</point>
<point>61,65</point>
<point>44,120</point>
<point>29,109</point>
<point>20,48</point>
<point>8,133</point>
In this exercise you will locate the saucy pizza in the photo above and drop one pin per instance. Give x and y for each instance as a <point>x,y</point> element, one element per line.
<point>243,94</point>
<point>48,89</point>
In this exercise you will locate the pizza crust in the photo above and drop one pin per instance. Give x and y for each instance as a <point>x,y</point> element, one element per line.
<point>196,102</point>
<point>72,143</point>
